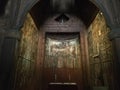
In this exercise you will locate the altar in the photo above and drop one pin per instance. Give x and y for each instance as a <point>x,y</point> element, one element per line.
<point>62,86</point>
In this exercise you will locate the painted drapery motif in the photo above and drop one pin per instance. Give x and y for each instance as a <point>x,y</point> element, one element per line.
<point>62,53</point>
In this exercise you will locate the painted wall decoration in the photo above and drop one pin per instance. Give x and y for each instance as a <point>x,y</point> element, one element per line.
<point>26,61</point>
<point>62,53</point>
<point>100,53</point>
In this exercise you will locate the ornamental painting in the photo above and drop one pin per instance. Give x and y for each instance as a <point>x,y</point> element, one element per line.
<point>62,53</point>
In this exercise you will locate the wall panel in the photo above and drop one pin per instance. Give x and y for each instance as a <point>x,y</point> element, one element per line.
<point>100,53</point>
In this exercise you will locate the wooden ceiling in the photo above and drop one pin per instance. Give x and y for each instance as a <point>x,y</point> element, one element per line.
<point>83,9</point>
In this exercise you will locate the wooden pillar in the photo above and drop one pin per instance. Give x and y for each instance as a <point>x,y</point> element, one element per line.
<point>115,38</point>
<point>8,41</point>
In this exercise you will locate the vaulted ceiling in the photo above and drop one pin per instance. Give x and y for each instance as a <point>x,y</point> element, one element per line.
<point>83,9</point>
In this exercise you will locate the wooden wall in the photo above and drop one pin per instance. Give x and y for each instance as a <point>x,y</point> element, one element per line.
<point>74,25</point>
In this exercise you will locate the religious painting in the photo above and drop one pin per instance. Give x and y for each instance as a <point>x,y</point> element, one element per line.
<point>62,52</point>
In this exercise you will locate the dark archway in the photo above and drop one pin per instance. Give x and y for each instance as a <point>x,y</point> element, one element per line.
<point>40,12</point>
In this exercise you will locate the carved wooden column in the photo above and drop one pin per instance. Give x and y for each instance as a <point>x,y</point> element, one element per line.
<point>8,42</point>
<point>115,38</point>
